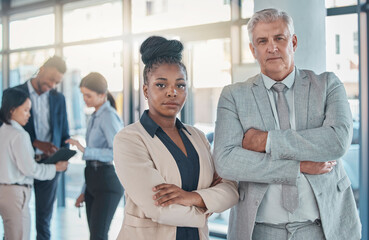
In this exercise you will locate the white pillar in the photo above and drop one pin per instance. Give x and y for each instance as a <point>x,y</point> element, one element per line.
<point>309,22</point>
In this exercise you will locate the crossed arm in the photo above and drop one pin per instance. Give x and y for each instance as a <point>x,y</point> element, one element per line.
<point>150,191</point>
<point>242,157</point>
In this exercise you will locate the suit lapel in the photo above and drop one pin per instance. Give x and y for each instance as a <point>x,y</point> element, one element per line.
<point>301,97</point>
<point>263,103</point>
<point>52,113</point>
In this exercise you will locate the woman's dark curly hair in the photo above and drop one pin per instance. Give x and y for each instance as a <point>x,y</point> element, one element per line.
<point>158,50</point>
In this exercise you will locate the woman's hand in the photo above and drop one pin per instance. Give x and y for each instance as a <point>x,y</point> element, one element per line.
<point>61,166</point>
<point>80,200</point>
<point>216,180</point>
<point>75,143</point>
<point>168,194</point>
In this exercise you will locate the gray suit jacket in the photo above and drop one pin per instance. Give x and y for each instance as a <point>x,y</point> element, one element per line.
<point>323,132</point>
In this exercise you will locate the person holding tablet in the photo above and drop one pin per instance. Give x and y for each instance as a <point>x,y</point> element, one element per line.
<point>103,190</point>
<point>17,165</point>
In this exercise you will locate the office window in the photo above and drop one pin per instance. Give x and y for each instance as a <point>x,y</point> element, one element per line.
<point>210,70</point>
<point>337,44</point>
<point>32,31</point>
<point>17,3</point>
<point>247,8</point>
<point>339,3</point>
<point>104,58</point>
<point>356,42</point>
<point>1,78</point>
<point>1,36</point>
<point>247,56</point>
<point>23,65</point>
<point>157,13</point>
<point>84,21</point>
<point>346,67</point>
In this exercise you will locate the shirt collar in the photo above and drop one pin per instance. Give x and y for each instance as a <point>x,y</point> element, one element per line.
<point>32,90</point>
<point>288,81</point>
<point>152,127</point>
<point>101,109</point>
<point>16,125</point>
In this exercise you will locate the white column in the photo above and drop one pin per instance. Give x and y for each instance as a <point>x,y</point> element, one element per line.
<point>309,22</point>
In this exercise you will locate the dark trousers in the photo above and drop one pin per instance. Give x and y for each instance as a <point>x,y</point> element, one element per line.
<point>103,193</point>
<point>45,193</point>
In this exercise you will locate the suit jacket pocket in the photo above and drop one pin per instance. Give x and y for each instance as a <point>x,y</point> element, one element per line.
<point>343,184</point>
<point>134,221</point>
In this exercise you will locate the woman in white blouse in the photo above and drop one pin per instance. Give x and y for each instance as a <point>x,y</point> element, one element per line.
<point>17,165</point>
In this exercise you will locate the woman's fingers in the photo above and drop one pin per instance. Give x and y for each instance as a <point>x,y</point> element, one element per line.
<point>167,199</point>
<point>164,189</point>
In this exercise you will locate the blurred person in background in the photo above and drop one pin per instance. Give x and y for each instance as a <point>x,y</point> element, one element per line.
<point>48,129</point>
<point>17,165</point>
<point>103,190</point>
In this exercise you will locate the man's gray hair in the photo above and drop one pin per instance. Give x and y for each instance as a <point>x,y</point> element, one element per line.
<point>267,16</point>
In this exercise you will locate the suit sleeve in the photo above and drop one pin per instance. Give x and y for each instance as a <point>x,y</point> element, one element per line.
<point>138,175</point>
<point>222,196</point>
<point>235,163</point>
<point>328,142</point>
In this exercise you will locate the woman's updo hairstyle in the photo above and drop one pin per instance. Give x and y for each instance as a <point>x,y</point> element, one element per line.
<point>158,50</point>
<point>97,83</point>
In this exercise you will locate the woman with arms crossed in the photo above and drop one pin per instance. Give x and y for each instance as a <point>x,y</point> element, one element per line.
<point>103,190</point>
<point>18,167</point>
<point>165,166</point>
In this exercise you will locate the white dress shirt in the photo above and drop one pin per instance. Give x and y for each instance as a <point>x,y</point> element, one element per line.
<point>271,209</point>
<point>17,164</point>
<point>41,115</point>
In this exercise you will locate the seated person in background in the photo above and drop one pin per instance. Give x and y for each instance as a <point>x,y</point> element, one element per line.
<point>165,166</point>
<point>17,165</point>
<point>103,190</point>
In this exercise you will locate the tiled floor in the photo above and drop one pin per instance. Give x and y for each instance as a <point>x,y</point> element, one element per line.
<point>66,224</point>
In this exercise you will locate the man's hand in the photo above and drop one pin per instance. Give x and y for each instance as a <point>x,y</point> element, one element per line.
<point>46,147</point>
<point>315,168</point>
<point>168,194</point>
<point>255,140</point>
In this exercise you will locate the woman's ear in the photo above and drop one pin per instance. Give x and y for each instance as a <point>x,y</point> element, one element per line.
<point>144,88</point>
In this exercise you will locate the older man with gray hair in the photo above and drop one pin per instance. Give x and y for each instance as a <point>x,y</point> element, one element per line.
<point>281,135</point>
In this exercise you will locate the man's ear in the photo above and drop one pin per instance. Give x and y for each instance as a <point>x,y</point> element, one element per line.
<point>294,42</point>
<point>252,49</point>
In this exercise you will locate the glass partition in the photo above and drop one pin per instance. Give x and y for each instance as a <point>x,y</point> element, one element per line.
<point>183,12</point>
<point>31,31</point>
<point>104,58</point>
<point>339,3</point>
<point>23,65</point>
<point>211,71</point>
<point>91,19</point>
<point>17,3</point>
<point>343,60</point>
<point>247,8</point>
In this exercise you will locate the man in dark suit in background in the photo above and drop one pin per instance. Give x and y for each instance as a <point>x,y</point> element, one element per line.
<point>48,129</point>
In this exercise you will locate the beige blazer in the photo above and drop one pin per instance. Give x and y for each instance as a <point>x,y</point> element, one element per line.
<point>143,162</point>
